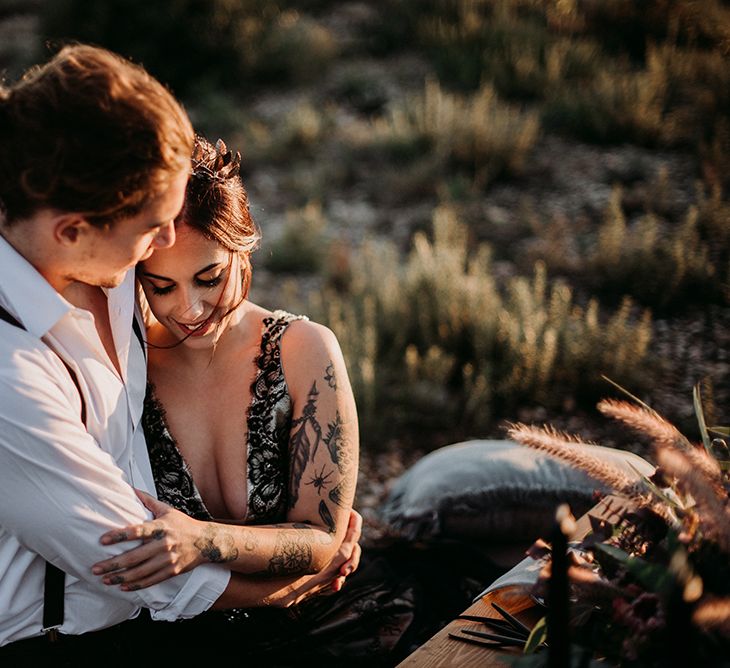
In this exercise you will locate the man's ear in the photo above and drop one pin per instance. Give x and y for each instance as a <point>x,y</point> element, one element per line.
<point>69,228</point>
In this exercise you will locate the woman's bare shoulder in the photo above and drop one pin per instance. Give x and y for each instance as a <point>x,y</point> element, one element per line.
<point>309,336</point>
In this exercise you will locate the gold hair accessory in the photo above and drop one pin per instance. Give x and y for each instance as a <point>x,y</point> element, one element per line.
<point>226,165</point>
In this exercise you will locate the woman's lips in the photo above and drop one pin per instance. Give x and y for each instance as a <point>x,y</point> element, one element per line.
<point>198,329</point>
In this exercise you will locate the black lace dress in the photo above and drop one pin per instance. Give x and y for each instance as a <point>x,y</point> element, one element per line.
<point>368,621</point>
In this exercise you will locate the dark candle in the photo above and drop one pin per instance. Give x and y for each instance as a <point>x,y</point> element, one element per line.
<point>558,613</point>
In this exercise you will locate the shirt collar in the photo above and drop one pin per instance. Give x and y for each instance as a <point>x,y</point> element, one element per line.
<point>26,294</point>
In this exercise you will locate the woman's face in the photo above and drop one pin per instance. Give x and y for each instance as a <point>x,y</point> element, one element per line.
<point>191,287</point>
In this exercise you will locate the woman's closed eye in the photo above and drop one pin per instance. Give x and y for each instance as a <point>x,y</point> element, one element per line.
<point>202,283</point>
<point>210,282</point>
<point>156,290</point>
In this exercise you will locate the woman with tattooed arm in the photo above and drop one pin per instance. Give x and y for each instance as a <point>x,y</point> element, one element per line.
<point>250,423</point>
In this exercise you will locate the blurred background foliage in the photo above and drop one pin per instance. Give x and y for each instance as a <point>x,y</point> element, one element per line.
<point>493,203</point>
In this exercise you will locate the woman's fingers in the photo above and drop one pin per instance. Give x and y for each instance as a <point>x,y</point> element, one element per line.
<point>350,548</point>
<point>355,524</point>
<point>352,563</point>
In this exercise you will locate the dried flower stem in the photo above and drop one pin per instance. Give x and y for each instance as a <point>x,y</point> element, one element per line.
<point>715,518</point>
<point>567,448</point>
<point>663,434</point>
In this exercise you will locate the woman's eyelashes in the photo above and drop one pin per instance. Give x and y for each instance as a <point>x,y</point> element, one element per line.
<point>199,282</point>
<point>209,283</point>
<point>161,291</point>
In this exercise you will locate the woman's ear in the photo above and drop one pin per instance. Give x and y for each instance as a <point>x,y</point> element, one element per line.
<point>69,228</point>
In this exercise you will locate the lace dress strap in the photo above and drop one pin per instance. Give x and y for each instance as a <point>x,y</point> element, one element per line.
<point>269,422</point>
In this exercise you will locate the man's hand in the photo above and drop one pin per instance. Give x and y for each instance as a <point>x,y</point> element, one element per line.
<point>168,548</point>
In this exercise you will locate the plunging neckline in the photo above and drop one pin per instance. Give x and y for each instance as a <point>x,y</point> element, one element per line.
<point>268,415</point>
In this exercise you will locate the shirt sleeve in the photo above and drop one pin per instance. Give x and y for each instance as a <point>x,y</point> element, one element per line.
<point>60,491</point>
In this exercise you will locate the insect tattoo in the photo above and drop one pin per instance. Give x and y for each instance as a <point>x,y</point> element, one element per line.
<point>319,480</point>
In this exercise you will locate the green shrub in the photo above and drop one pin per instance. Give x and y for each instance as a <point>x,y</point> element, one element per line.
<point>472,43</point>
<point>194,44</point>
<point>438,350</point>
<point>659,261</point>
<point>654,73</point>
<point>626,26</point>
<point>301,247</point>
<point>295,48</point>
<point>479,133</point>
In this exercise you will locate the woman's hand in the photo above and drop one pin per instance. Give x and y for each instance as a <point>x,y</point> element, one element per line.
<point>333,576</point>
<point>173,543</point>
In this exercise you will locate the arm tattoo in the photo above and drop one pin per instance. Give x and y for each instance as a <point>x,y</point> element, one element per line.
<point>292,554</point>
<point>329,376</point>
<point>305,438</point>
<point>341,455</point>
<point>326,515</point>
<point>216,546</point>
<point>338,445</point>
<point>343,492</point>
<point>250,542</point>
<point>319,480</point>
<point>319,537</point>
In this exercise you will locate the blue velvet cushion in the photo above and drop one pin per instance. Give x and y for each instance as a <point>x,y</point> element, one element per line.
<point>493,491</point>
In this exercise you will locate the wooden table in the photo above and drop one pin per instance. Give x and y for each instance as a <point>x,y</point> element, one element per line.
<point>441,651</point>
<point>444,652</point>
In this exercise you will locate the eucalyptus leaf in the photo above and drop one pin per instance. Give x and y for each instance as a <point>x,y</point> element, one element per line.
<point>537,636</point>
<point>697,399</point>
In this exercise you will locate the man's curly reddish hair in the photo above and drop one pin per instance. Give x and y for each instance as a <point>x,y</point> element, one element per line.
<point>88,132</point>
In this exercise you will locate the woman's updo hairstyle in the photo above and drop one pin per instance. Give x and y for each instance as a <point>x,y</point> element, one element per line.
<point>216,203</point>
<point>88,132</point>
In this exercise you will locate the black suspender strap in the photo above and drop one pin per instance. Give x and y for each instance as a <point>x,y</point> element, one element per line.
<point>11,320</point>
<point>53,591</point>
<point>138,333</point>
<point>53,600</point>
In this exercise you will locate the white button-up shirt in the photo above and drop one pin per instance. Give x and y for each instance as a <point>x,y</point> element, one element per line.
<point>61,486</point>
